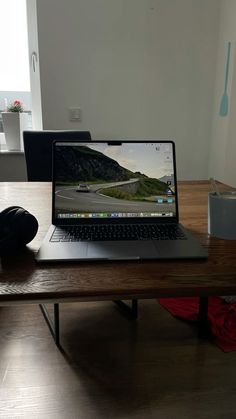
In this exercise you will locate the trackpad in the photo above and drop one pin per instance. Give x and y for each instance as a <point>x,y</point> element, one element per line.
<point>122,250</point>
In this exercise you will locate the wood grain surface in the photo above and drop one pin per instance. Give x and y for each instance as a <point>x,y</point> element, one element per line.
<point>23,280</point>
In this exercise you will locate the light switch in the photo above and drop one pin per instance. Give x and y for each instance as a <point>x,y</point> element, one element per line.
<point>75,114</point>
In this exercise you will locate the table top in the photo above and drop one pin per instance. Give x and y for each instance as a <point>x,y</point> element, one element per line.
<point>22,280</point>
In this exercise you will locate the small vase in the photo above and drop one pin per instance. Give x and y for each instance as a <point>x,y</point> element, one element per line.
<point>14,123</point>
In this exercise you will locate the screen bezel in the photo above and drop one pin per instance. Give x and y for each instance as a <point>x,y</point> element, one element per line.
<point>123,220</point>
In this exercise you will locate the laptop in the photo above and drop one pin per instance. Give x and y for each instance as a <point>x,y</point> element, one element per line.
<point>116,201</point>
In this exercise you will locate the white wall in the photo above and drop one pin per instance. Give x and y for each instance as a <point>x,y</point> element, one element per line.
<point>223,140</point>
<point>137,69</point>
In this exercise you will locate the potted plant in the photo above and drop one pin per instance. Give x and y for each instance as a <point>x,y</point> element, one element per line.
<point>15,121</point>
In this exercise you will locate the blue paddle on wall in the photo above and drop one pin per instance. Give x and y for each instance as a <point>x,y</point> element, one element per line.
<point>224,100</point>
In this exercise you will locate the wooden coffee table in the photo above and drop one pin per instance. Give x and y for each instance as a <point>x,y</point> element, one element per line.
<point>24,281</point>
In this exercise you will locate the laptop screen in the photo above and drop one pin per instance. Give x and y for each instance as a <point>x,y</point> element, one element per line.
<point>114,180</point>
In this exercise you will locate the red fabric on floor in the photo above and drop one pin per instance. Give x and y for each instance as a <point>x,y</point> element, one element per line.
<point>221,317</point>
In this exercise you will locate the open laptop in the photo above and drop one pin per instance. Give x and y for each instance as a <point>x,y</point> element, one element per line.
<point>116,201</point>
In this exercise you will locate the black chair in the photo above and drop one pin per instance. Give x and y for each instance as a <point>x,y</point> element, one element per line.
<point>38,155</point>
<point>38,151</point>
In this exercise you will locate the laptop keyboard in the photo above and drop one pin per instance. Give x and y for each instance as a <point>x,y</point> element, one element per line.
<point>117,232</point>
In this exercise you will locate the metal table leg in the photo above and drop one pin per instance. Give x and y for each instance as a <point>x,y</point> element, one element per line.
<point>53,324</point>
<point>203,317</point>
<point>130,311</point>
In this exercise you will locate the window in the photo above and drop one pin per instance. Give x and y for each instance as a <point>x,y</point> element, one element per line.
<point>14,67</point>
<point>14,64</point>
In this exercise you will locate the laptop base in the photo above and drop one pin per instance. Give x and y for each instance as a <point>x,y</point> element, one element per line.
<point>120,250</point>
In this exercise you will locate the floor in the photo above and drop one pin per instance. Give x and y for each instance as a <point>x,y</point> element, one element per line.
<point>111,367</point>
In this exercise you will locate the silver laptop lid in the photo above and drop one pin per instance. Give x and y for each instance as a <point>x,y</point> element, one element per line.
<point>114,182</point>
